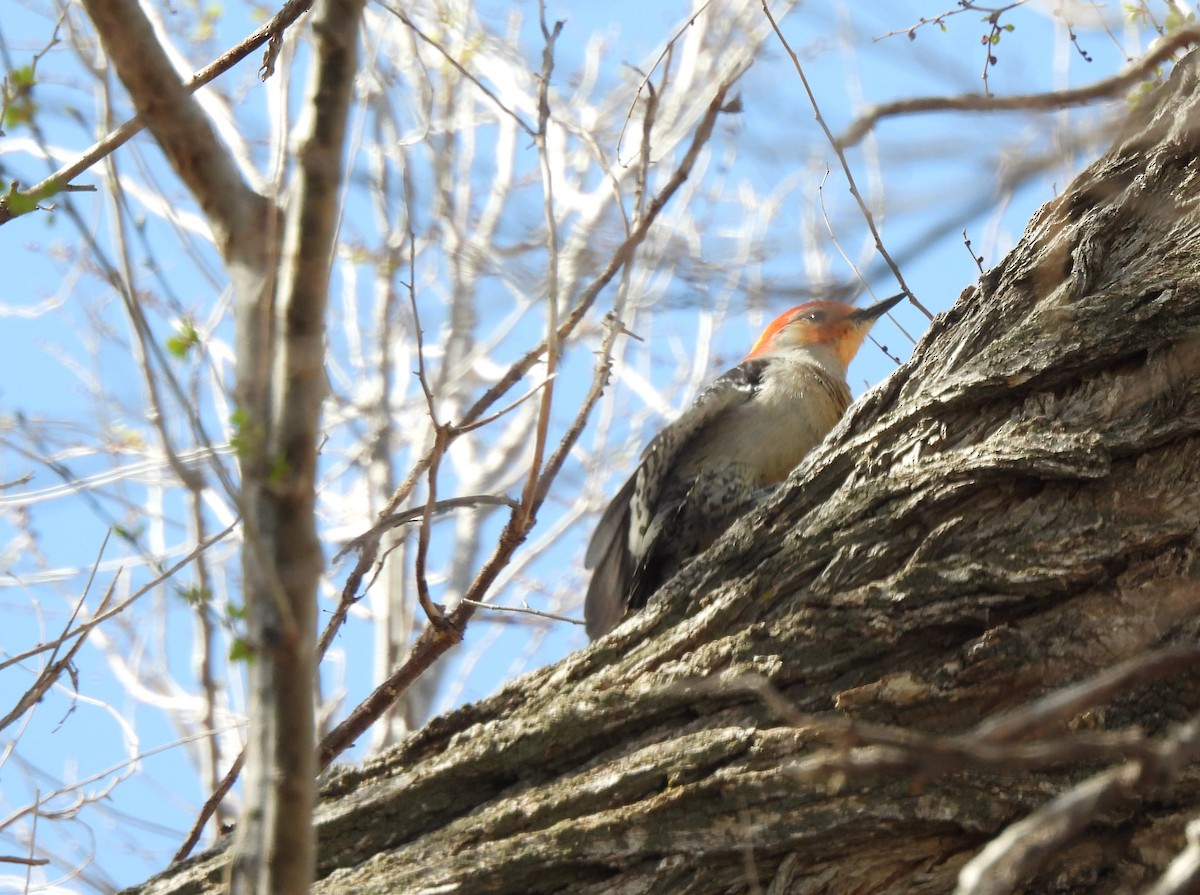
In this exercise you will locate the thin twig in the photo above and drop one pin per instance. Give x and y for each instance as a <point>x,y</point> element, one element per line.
<point>412,514</point>
<point>87,626</point>
<point>870,219</point>
<point>995,32</point>
<point>648,119</point>
<point>54,666</point>
<point>458,66</point>
<point>210,806</point>
<point>17,482</point>
<point>58,181</point>
<point>441,440</point>
<point>600,378</point>
<point>911,31</point>
<point>829,229</point>
<point>854,267</point>
<point>667,50</point>
<point>37,798</point>
<point>435,614</point>
<point>506,409</point>
<point>526,610</point>
<point>978,259</point>
<point>528,510</point>
<point>419,334</point>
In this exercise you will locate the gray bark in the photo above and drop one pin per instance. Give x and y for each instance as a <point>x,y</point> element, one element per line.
<point>1013,511</point>
<point>280,281</point>
<point>282,389</point>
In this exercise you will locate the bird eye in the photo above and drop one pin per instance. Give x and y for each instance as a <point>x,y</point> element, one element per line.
<point>817,316</point>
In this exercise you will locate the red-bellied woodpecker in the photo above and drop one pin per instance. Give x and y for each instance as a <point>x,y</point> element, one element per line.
<point>746,431</point>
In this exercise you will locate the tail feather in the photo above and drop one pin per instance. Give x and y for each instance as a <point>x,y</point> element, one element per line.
<point>608,554</point>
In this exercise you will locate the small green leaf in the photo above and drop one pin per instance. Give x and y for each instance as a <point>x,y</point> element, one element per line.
<point>123,438</point>
<point>1176,19</point>
<point>19,105</point>
<point>185,339</point>
<point>240,651</point>
<point>1010,28</point>
<point>21,78</point>
<point>195,595</point>
<point>242,437</point>
<point>129,534</point>
<point>235,612</point>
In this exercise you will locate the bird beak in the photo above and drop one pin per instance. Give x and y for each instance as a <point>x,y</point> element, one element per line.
<point>868,315</point>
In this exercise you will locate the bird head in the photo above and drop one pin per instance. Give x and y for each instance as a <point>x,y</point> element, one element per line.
<point>838,327</point>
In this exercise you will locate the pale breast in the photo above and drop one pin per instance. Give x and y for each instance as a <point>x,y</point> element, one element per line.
<point>792,412</point>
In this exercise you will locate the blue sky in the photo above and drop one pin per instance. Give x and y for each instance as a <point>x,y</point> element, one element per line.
<point>939,174</point>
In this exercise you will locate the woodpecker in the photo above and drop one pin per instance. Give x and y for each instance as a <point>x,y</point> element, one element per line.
<point>745,432</point>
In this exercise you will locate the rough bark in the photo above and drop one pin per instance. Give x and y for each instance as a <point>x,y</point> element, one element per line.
<point>1014,510</point>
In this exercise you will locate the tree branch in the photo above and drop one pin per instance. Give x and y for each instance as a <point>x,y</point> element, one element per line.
<point>179,125</point>
<point>1036,102</point>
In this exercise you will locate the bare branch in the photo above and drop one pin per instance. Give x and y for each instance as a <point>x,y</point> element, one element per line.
<point>180,127</point>
<point>282,562</point>
<point>1020,851</point>
<point>529,502</point>
<point>433,612</point>
<point>1035,102</point>
<point>433,641</point>
<point>210,806</point>
<point>1183,874</point>
<point>666,52</point>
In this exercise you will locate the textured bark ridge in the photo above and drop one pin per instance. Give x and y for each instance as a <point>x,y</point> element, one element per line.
<point>1014,510</point>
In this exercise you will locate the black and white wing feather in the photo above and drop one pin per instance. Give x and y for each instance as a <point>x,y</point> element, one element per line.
<point>624,539</point>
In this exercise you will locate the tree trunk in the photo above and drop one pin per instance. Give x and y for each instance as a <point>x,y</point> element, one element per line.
<point>1014,510</point>
<point>281,386</point>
